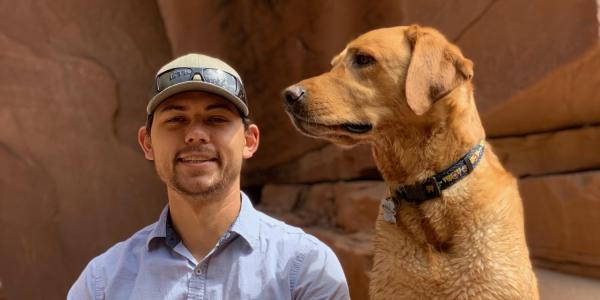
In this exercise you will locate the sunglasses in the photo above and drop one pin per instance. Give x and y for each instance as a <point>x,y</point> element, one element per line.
<point>212,76</point>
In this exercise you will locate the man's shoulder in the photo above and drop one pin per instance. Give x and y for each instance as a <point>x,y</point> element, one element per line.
<point>274,229</point>
<point>314,270</point>
<point>99,272</point>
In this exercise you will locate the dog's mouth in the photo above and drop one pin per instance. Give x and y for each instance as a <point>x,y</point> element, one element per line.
<point>357,128</point>
<point>318,129</point>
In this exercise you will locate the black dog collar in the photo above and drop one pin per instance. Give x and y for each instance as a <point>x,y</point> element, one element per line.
<point>432,187</point>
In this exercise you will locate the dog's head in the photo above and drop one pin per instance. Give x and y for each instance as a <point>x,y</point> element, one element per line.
<point>386,76</point>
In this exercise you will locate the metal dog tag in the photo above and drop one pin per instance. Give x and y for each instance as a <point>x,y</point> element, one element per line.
<point>389,210</point>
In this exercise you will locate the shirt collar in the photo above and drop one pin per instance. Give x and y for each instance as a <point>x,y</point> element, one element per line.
<point>160,227</point>
<point>246,225</point>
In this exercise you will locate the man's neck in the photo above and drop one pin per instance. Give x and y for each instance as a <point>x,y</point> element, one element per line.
<point>202,222</point>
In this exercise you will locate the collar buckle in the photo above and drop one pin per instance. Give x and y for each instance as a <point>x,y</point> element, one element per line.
<point>432,187</point>
<point>418,193</point>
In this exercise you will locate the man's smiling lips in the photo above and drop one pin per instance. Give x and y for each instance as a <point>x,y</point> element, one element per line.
<point>196,159</point>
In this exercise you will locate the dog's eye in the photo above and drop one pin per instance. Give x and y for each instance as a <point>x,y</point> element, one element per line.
<point>362,60</point>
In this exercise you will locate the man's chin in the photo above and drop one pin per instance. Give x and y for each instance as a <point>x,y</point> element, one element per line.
<point>199,183</point>
<point>203,186</point>
<point>197,189</point>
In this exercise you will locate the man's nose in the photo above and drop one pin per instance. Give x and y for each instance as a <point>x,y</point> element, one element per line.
<point>293,94</point>
<point>197,133</point>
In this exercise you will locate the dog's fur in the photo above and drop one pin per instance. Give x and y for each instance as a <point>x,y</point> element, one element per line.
<point>418,97</point>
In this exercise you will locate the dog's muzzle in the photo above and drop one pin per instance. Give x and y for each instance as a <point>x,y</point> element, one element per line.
<point>294,99</point>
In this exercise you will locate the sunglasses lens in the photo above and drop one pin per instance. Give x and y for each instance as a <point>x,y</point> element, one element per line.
<point>221,79</point>
<point>213,76</point>
<point>172,77</point>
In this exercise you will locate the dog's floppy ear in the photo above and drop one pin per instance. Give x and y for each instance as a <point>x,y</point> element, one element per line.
<point>337,58</point>
<point>436,68</point>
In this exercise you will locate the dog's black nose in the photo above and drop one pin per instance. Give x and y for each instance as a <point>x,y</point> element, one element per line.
<point>293,94</point>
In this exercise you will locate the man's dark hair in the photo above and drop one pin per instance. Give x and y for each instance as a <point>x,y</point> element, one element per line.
<point>150,119</point>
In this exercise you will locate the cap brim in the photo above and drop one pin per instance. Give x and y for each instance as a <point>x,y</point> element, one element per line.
<point>195,86</point>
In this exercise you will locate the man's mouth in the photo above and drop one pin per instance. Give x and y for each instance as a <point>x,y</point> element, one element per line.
<point>194,160</point>
<point>196,156</point>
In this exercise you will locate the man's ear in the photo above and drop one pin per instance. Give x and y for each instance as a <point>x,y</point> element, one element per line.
<point>145,143</point>
<point>252,137</point>
<point>436,68</point>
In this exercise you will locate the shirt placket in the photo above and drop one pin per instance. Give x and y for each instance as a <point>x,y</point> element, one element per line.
<point>197,284</point>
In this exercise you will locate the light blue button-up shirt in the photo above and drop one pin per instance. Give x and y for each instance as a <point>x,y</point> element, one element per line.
<point>257,258</point>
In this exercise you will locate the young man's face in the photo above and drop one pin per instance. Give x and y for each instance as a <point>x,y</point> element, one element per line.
<point>198,142</point>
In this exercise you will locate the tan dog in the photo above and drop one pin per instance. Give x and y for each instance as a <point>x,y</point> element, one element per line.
<point>407,91</point>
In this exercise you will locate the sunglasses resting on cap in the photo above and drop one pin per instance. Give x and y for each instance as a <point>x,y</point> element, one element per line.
<point>196,72</point>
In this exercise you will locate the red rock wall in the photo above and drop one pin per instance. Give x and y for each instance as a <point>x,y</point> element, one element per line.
<point>74,81</point>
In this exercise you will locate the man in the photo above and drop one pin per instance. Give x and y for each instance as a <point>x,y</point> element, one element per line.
<point>209,242</point>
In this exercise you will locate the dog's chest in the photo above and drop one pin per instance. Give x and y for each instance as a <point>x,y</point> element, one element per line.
<point>468,268</point>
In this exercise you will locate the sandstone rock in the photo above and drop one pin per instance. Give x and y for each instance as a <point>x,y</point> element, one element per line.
<point>75,78</point>
<point>281,198</point>
<point>317,206</point>
<point>567,267</point>
<point>561,214</point>
<point>515,45</point>
<point>566,97</point>
<point>330,163</point>
<point>355,252</point>
<point>292,219</point>
<point>559,286</point>
<point>352,206</point>
<point>335,163</point>
<point>74,189</point>
<point>357,204</point>
<point>465,14</point>
<point>553,152</point>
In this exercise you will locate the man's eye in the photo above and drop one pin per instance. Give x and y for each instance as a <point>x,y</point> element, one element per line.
<point>217,120</point>
<point>363,60</point>
<point>176,120</point>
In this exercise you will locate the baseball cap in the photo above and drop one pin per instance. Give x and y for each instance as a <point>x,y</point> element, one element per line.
<point>198,72</point>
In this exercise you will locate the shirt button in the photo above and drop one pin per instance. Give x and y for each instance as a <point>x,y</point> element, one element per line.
<point>198,271</point>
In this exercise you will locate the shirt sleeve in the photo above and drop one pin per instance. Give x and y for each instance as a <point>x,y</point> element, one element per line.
<point>88,286</point>
<point>317,274</point>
